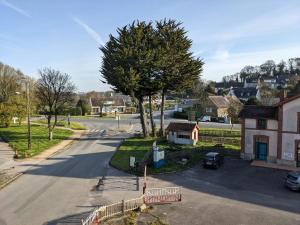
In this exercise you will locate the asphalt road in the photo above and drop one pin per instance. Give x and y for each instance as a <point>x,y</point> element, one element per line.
<point>63,185</point>
<point>134,119</point>
<point>235,194</point>
<point>61,190</point>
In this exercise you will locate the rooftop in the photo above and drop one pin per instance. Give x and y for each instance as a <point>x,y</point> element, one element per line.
<point>182,126</point>
<point>254,111</point>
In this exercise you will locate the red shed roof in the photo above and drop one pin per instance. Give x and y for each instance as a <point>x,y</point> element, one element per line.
<point>182,127</point>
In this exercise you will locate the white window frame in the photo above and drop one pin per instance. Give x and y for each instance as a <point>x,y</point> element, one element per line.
<point>208,109</point>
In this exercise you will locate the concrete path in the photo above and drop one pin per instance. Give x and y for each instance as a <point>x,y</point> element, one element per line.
<point>6,153</point>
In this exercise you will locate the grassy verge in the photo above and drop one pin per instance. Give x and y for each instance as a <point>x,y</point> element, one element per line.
<point>174,153</point>
<point>63,123</point>
<point>136,147</point>
<point>17,138</point>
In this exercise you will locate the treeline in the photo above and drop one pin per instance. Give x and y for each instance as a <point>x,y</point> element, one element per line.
<point>267,69</point>
<point>53,93</point>
<point>12,98</point>
<point>145,59</point>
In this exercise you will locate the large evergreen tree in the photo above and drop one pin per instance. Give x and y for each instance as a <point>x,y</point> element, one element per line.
<point>128,61</point>
<point>178,69</point>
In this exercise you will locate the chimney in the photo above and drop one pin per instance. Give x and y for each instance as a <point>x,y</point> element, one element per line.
<point>283,94</point>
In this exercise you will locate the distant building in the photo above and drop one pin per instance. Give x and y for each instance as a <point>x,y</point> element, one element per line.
<point>243,93</point>
<point>182,133</point>
<point>107,105</point>
<point>217,106</point>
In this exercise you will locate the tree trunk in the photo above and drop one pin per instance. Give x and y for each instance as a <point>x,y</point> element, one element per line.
<point>151,117</point>
<point>162,117</point>
<point>50,135</point>
<point>100,113</point>
<point>143,117</point>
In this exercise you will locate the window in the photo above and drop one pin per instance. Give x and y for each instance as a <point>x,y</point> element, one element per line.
<point>208,109</point>
<point>183,136</point>
<point>261,124</point>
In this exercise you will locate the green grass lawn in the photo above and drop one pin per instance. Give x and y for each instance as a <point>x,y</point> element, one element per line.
<point>17,138</point>
<point>138,147</point>
<point>63,123</point>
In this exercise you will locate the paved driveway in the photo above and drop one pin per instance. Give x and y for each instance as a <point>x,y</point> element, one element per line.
<point>237,193</point>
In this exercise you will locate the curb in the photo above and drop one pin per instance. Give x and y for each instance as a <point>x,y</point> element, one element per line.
<point>10,180</point>
<point>54,153</point>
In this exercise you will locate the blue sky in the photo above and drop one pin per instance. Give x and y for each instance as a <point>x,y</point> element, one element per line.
<point>65,34</point>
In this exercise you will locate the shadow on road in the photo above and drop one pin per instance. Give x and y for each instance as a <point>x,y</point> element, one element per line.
<point>84,166</point>
<point>74,219</point>
<point>239,181</point>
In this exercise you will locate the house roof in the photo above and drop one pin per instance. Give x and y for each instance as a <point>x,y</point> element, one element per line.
<point>256,112</point>
<point>289,99</point>
<point>182,126</point>
<point>245,92</point>
<point>219,101</point>
<point>95,102</point>
<point>228,84</point>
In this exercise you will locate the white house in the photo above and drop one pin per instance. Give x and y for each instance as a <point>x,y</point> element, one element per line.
<point>182,133</point>
<point>107,105</point>
<point>272,133</point>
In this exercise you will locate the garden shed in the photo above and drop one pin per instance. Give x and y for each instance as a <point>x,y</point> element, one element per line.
<point>182,133</point>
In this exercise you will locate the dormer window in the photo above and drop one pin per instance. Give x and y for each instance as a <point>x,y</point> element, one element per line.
<point>261,124</point>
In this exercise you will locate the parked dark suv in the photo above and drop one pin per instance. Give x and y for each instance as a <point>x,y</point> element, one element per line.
<point>293,180</point>
<point>213,159</point>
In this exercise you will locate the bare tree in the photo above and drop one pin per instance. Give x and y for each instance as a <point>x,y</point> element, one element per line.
<point>235,106</point>
<point>54,89</point>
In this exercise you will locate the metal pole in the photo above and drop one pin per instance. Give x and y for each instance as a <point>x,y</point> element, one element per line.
<point>118,122</point>
<point>28,117</point>
<point>145,180</point>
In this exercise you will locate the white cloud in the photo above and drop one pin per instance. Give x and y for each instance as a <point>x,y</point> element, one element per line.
<point>221,55</point>
<point>15,8</point>
<point>91,32</point>
<point>215,69</point>
<point>263,25</point>
<point>269,23</point>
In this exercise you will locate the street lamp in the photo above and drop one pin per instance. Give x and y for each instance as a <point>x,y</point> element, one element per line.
<point>26,80</point>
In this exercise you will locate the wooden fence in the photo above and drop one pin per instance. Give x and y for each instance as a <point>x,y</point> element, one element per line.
<point>104,212</point>
<point>162,195</point>
<point>220,140</point>
<point>152,196</point>
<point>220,133</point>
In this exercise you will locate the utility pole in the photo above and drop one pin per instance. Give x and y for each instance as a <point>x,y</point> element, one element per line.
<point>28,115</point>
<point>145,180</point>
<point>26,80</point>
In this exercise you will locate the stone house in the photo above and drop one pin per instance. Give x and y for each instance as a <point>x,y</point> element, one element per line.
<point>217,106</point>
<point>183,133</point>
<point>272,133</point>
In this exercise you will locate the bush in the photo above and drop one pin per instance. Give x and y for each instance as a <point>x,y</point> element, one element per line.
<point>180,115</point>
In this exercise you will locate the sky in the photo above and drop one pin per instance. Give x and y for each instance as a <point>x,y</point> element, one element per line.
<point>66,34</point>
